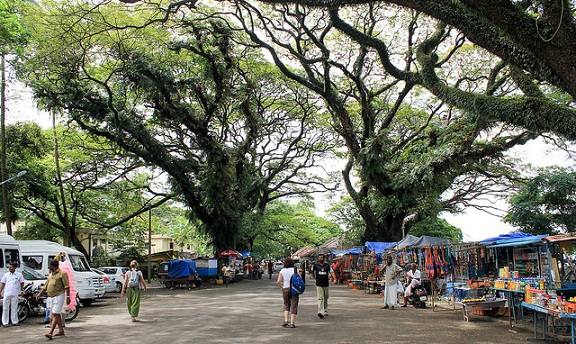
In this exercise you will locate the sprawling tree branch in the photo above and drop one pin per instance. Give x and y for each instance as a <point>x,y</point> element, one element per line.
<point>504,28</point>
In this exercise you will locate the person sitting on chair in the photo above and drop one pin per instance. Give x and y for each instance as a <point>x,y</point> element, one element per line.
<point>414,280</point>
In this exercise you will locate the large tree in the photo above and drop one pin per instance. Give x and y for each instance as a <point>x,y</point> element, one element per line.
<point>536,38</point>
<point>407,145</point>
<point>172,87</point>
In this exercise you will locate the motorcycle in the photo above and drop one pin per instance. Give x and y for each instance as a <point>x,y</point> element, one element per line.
<point>28,305</point>
<point>419,297</point>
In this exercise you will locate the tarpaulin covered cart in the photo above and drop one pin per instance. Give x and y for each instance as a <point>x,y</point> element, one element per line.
<point>182,272</point>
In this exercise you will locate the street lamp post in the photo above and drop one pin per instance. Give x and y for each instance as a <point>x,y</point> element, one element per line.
<point>5,201</point>
<point>20,174</point>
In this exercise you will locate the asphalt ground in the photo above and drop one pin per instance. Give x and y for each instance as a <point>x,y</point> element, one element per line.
<point>251,312</point>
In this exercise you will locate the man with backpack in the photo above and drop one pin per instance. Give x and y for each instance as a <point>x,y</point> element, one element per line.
<point>321,271</point>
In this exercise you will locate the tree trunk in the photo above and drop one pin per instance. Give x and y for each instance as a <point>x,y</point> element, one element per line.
<point>78,245</point>
<point>3,174</point>
<point>388,229</point>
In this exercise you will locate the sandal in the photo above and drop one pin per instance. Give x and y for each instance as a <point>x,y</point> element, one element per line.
<point>48,335</point>
<point>291,326</point>
<point>59,334</point>
<point>285,324</point>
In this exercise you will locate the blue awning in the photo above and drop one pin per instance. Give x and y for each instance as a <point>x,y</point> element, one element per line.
<point>378,247</point>
<point>340,253</point>
<point>535,239</point>
<point>505,237</point>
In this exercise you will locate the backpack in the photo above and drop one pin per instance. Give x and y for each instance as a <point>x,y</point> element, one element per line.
<point>297,285</point>
<point>134,280</point>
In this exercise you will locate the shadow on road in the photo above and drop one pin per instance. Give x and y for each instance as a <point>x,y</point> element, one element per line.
<point>251,312</point>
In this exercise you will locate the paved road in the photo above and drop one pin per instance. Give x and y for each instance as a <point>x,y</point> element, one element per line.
<point>250,312</point>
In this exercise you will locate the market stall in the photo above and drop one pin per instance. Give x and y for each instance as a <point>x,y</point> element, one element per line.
<point>561,251</point>
<point>525,256</point>
<point>553,295</point>
<point>521,263</point>
<point>375,253</point>
<point>347,265</point>
<point>232,262</point>
<point>428,253</point>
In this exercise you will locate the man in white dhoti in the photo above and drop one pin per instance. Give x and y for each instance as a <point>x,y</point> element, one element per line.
<point>391,273</point>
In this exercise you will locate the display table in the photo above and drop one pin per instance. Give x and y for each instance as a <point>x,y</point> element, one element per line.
<point>468,307</point>
<point>373,287</point>
<point>356,284</point>
<point>546,312</point>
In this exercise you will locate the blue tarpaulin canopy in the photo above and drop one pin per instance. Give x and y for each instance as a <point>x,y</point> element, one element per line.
<point>504,237</point>
<point>340,253</point>
<point>528,240</point>
<point>378,247</point>
<point>181,268</point>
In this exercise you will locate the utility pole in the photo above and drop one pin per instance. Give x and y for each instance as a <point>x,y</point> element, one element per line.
<point>149,245</point>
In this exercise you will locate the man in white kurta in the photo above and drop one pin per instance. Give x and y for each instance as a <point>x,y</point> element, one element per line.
<point>11,285</point>
<point>391,273</point>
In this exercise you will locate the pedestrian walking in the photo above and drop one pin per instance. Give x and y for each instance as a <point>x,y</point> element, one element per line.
<point>391,273</point>
<point>248,269</point>
<point>256,270</point>
<point>322,271</point>
<point>133,285</point>
<point>11,286</point>
<point>57,287</point>
<point>290,300</point>
<point>270,269</point>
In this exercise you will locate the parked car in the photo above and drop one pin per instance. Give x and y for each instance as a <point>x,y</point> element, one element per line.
<point>278,266</point>
<point>117,272</point>
<point>109,281</point>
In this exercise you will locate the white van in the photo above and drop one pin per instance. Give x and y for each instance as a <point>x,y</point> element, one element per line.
<point>36,254</point>
<point>9,252</point>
